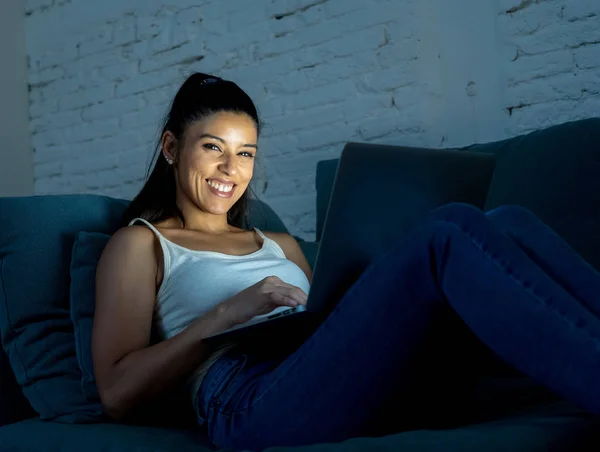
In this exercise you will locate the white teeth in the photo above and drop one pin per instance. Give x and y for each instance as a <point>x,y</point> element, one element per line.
<point>220,187</point>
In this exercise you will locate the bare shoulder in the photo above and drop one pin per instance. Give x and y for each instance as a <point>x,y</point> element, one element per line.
<point>292,250</point>
<point>133,237</point>
<point>128,247</point>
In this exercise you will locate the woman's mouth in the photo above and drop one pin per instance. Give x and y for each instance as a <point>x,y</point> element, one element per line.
<point>220,188</point>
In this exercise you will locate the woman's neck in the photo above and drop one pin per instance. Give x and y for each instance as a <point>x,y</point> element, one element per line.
<point>197,220</point>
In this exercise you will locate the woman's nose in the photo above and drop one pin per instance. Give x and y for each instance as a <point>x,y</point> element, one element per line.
<point>228,166</point>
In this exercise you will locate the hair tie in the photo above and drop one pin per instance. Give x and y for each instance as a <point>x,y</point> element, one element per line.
<point>208,81</point>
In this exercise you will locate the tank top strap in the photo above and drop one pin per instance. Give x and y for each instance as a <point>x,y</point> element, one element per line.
<point>269,243</point>
<point>165,250</point>
<point>147,223</point>
<point>261,234</point>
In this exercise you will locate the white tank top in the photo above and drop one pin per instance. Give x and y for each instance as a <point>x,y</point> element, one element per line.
<point>194,281</point>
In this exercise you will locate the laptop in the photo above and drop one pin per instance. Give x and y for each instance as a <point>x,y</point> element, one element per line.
<point>380,193</point>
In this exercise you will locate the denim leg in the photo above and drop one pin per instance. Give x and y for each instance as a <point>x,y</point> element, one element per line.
<point>551,253</point>
<point>543,245</point>
<point>330,387</point>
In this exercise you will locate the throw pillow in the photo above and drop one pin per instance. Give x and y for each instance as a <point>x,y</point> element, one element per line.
<point>36,241</point>
<point>87,250</point>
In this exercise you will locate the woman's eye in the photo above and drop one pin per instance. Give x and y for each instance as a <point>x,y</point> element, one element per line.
<point>211,147</point>
<point>247,154</point>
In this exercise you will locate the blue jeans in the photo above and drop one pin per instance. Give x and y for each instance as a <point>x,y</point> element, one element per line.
<point>513,281</point>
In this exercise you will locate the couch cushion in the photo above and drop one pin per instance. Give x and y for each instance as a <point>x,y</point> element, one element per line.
<point>556,427</point>
<point>35,435</point>
<point>309,249</point>
<point>555,173</point>
<point>35,324</point>
<point>261,216</point>
<point>87,250</point>
<point>549,428</point>
<point>36,242</point>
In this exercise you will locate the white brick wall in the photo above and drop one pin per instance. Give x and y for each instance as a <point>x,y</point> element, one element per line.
<point>322,72</point>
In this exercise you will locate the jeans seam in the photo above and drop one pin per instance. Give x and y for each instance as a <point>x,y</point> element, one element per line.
<point>511,275</point>
<point>503,218</point>
<point>215,389</point>
<point>218,399</point>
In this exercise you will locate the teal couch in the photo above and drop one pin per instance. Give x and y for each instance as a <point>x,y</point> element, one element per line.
<point>45,401</point>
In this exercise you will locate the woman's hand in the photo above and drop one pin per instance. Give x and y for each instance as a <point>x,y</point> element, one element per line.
<point>261,298</point>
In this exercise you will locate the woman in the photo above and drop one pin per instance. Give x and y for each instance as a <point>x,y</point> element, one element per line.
<point>185,261</point>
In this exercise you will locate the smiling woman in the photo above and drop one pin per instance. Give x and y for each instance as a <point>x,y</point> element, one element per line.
<point>218,165</point>
<point>212,125</point>
<point>185,262</point>
<point>184,258</point>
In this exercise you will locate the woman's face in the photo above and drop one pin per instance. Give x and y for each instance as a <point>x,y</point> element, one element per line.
<point>216,162</point>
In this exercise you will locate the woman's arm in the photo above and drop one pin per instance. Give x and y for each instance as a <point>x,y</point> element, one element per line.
<point>128,370</point>
<point>292,251</point>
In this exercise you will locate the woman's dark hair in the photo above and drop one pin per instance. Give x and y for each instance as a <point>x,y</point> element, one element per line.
<point>199,96</point>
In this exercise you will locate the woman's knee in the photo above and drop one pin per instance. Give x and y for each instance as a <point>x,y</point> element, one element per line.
<point>467,219</point>
<point>511,216</point>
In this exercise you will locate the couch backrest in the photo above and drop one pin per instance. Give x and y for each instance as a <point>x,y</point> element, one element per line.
<point>554,172</point>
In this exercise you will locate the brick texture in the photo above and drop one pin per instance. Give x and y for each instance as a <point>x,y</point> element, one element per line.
<point>322,72</point>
